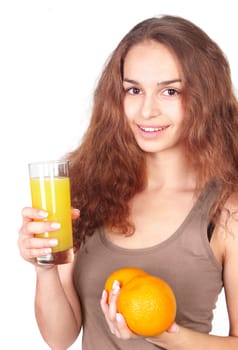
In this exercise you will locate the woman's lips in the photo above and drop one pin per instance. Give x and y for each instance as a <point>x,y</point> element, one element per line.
<point>151,131</point>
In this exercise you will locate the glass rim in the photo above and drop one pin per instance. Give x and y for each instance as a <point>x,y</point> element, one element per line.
<point>48,162</point>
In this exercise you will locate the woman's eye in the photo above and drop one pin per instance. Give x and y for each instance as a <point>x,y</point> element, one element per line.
<point>133,91</point>
<point>170,92</point>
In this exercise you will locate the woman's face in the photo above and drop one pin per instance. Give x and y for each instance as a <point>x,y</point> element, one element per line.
<point>152,82</point>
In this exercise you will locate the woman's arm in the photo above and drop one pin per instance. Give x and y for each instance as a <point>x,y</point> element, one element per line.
<point>184,339</point>
<point>57,307</point>
<point>180,338</point>
<point>176,338</point>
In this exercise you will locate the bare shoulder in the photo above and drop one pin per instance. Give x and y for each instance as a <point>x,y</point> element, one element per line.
<point>226,232</point>
<point>229,217</point>
<point>230,263</point>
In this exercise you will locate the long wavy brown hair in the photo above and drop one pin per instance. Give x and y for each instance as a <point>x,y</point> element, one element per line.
<point>108,168</point>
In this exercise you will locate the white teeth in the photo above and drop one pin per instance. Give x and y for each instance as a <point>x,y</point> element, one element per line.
<point>151,129</point>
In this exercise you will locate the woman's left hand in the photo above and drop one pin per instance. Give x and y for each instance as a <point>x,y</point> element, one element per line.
<point>115,320</point>
<point>117,323</point>
<point>166,339</point>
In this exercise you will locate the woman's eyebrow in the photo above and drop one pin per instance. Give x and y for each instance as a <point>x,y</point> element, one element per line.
<point>130,81</point>
<point>165,82</point>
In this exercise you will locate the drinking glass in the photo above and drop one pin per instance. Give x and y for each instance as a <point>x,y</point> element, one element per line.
<point>50,191</point>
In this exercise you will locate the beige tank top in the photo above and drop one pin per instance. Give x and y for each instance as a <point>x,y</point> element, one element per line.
<point>185,260</point>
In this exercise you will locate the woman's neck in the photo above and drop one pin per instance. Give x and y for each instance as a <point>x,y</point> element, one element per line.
<point>169,171</point>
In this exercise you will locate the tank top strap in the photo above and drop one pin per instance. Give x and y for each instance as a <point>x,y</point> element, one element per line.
<point>208,196</point>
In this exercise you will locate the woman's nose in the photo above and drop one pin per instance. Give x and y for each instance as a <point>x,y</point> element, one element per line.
<point>150,107</point>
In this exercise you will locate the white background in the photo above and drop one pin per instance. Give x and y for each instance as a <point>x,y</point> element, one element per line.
<point>51,54</point>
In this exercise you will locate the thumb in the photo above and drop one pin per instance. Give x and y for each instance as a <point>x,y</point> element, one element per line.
<point>174,328</point>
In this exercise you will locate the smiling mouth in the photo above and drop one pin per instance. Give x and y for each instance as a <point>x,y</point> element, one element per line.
<point>152,129</point>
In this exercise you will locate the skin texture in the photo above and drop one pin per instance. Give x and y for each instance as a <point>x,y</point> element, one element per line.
<point>153,96</point>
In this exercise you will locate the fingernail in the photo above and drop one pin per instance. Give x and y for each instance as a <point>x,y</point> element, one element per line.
<point>118,317</point>
<point>104,294</point>
<point>43,214</point>
<point>55,225</point>
<point>47,250</point>
<point>53,242</point>
<point>115,284</point>
<point>115,287</point>
<point>174,328</point>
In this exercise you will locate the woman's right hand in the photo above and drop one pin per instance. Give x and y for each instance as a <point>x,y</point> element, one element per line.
<point>29,245</point>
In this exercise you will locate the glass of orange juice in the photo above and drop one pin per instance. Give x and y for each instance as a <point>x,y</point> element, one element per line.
<point>50,191</point>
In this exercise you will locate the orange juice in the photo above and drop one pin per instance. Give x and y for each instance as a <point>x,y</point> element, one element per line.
<point>52,194</point>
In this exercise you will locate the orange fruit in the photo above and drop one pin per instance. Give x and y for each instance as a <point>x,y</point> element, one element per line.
<point>148,305</point>
<point>123,276</point>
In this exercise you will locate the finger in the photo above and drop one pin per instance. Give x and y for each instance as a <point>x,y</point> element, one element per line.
<point>174,328</point>
<point>117,323</point>
<point>105,308</point>
<point>123,330</point>
<point>35,253</point>
<point>75,213</point>
<point>103,302</point>
<point>112,310</point>
<point>39,227</point>
<point>38,243</point>
<point>29,213</point>
<point>33,247</point>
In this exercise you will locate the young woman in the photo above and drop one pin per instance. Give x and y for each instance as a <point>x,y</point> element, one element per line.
<point>156,183</point>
